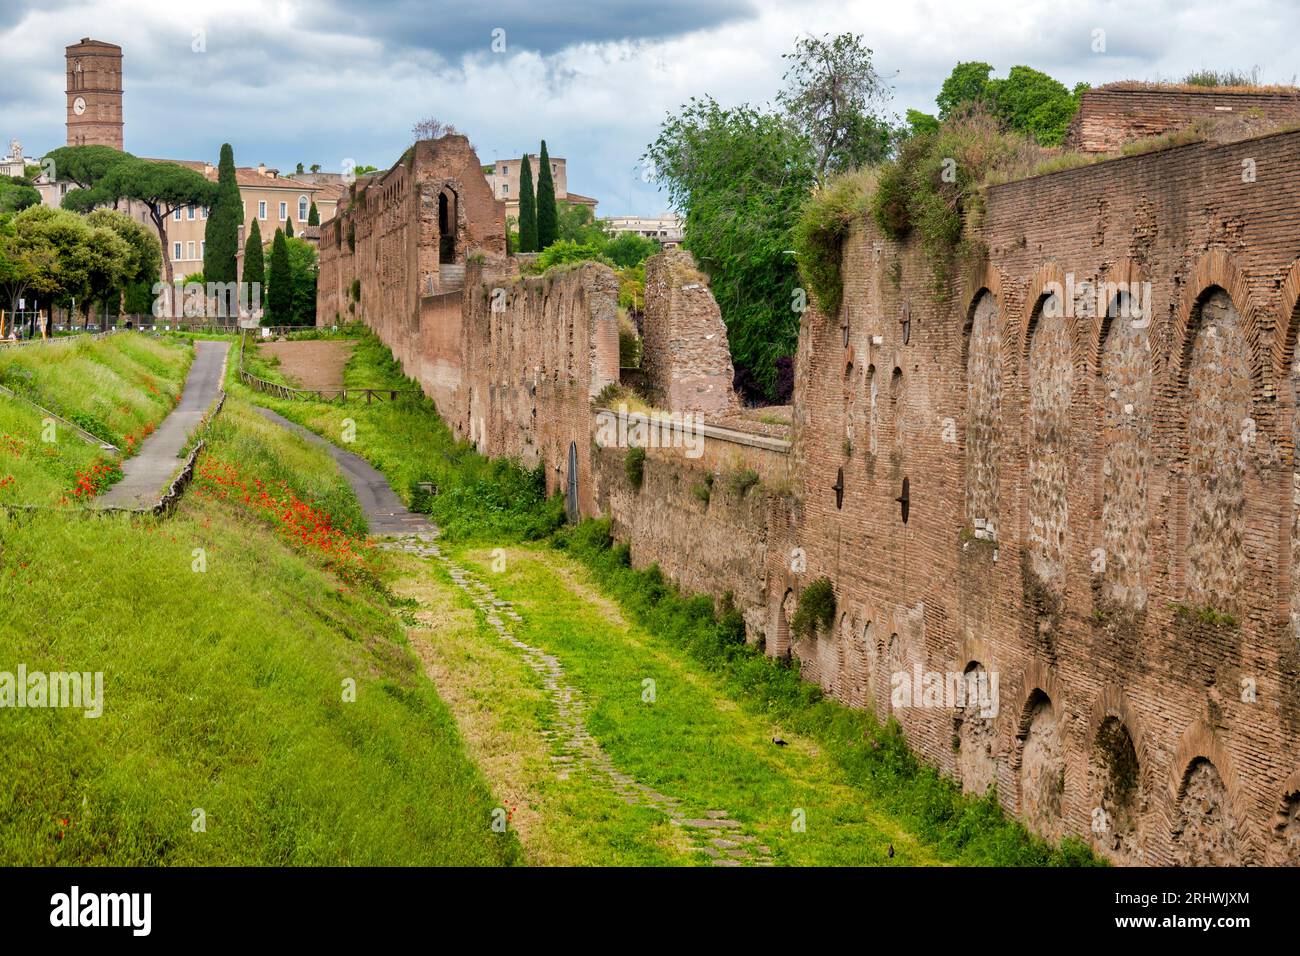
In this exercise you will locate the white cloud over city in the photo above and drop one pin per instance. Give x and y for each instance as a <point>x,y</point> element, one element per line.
<point>319,81</point>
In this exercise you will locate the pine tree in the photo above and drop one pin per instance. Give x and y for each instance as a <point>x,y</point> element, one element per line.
<point>547,216</point>
<point>288,227</point>
<point>527,209</point>
<point>313,217</point>
<point>279,298</point>
<point>226,215</point>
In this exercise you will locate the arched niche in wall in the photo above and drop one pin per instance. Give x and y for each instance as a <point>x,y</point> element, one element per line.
<point>983,367</point>
<point>1049,361</point>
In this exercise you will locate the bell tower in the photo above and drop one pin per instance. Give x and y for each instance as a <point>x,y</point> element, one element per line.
<point>94,94</point>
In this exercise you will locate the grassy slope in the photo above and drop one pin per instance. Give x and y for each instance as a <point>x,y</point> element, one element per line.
<point>410,443</point>
<point>118,388</point>
<point>223,691</point>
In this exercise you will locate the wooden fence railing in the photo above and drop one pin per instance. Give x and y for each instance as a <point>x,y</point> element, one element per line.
<point>342,394</point>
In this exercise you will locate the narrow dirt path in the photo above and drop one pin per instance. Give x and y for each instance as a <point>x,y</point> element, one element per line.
<point>146,475</point>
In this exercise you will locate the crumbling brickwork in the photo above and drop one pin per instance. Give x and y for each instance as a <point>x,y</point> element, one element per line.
<point>1102,506</point>
<point>1110,117</point>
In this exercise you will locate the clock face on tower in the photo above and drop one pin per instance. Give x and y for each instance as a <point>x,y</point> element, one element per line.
<point>79,105</point>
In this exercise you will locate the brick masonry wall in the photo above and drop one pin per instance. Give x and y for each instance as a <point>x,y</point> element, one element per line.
<point>1101,508</point>
<point>1109,118</point>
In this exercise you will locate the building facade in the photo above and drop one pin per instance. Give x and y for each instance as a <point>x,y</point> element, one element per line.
<point>503,178</point>
<point>94,94</point>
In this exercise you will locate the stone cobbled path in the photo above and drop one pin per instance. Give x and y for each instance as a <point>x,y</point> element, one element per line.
<point>713,833</point>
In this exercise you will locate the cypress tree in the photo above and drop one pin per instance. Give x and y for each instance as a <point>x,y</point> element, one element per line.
<point>226,215</point>
<point>279,298</point>
<point>313,217</point>
<point>527,209</point>
<point>288,227</point>
<point>547,225</point>
<point>255,264</point>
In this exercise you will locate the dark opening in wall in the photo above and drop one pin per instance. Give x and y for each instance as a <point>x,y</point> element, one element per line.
<point>905,500</point>
<point>906,322</point>
<point>895,384</point>
<point>838,488</point>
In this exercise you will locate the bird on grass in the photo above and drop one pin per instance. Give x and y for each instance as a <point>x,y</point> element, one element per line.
<point>779,742</point>
<point>891,851</point>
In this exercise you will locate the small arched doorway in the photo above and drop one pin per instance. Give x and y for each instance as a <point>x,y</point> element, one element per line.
<point>446,226</point>
<point>571,485</point>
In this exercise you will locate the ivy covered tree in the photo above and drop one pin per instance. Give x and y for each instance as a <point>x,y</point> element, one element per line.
<point>226,215</point>
<point>279,295</point>
<point>547,214</point>
<point>527,208</point>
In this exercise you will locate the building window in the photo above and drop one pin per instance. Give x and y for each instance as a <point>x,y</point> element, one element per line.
<point>302,208</point>
<point>189,212</point>
<point>203,248</point>
<point>176,252</point>
<point>177,214</point>
<point>505,188</point>
<point>189,249</point>
<point>284,211</point>
<point>505,170</point>
<point>204,212</point>
<point>261,210</point>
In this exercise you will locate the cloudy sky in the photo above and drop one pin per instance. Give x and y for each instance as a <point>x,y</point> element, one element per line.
<point>322,81</point>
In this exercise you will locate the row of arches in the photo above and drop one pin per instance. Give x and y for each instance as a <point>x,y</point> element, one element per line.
<point>1205,388</point>
<point>1200,818</point>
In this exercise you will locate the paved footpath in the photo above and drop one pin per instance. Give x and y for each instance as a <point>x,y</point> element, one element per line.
<point>146,476</point>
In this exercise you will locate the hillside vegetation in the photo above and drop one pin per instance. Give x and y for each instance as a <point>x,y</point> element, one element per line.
<point>118,388</point>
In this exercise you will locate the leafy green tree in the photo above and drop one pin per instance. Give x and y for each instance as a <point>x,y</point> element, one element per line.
<point>576,223</point>
<point>142,262</point>
<point>1026,101</point>
<point>966,84</point>
<point>279,294</point>
<point>627,249</point>
<point>26,260</point>
<point>302,281</point>
<point>288,227</point>
<point>161,187</point>
<point>313,217</point>
<point>741,175</point>
<point>918,122</point>
<point>221,234</point>
<point>547,228</point>
<point>527,209</point>
<point>834,95</point>
<point>85,166</point>
<point>16,194</point>
<point>254,264</point>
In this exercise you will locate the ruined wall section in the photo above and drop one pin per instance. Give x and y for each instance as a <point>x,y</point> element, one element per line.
<point>685,359</point>
<point>535,352</point>
<point>1134,593</point>
<point>1109,118</point>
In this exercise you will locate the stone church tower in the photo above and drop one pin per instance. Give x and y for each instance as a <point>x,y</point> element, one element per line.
<point>94,94</point>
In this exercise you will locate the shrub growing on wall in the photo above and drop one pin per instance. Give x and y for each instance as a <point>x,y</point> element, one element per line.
<point>823,223</point>
<point>634,466</point>
<point>816,609</point>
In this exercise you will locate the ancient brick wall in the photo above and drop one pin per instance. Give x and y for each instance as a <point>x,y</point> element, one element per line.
<point>1108,118</point>
<point>1101,506</point>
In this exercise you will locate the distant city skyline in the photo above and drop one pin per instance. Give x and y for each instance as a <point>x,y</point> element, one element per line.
<point>318,81</point>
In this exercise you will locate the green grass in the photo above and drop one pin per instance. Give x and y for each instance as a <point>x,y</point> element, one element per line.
<point>873,760</point>
<point>476,498</point>
<point>223,690</point>
<point>118,388</point>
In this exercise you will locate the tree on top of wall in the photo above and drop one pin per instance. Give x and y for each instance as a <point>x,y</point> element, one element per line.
<point>527,208</point>
<point>221,233</point>
<point>547,215</point>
